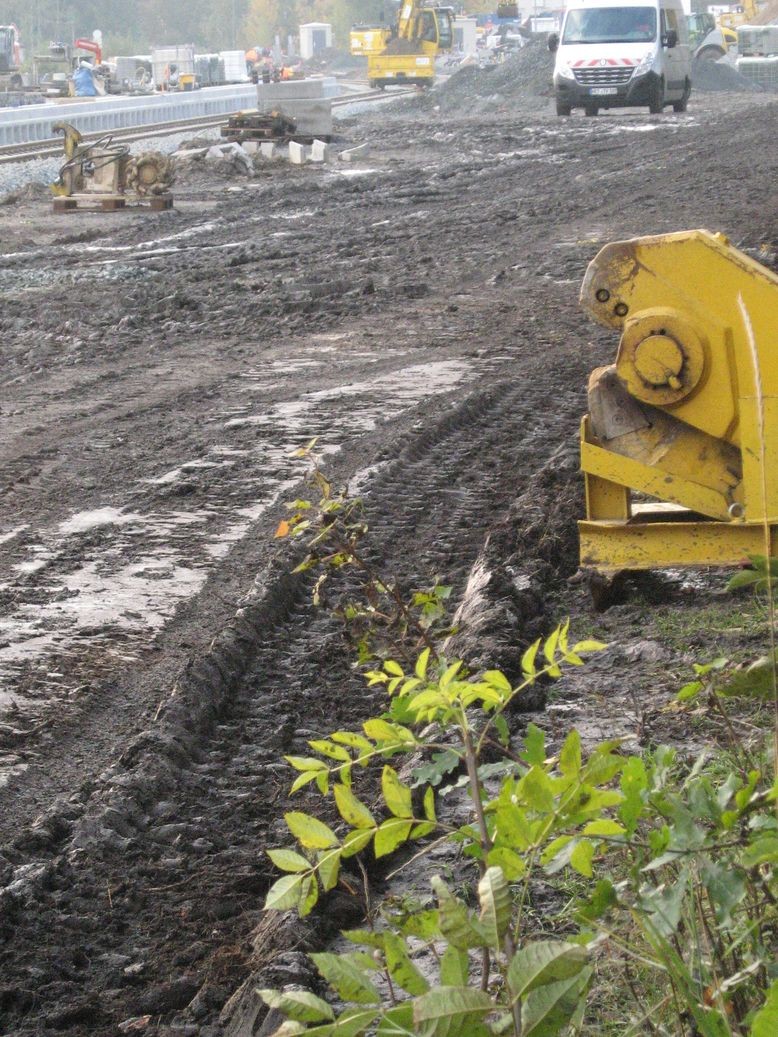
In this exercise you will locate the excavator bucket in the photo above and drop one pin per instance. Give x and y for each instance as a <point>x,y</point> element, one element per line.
<point>679,448</point>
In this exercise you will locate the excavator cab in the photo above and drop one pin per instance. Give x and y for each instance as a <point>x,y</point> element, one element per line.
<point>443,18</point>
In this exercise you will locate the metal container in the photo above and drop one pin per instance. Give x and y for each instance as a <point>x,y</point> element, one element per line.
<point>757,40</point>
<point>760,71</point>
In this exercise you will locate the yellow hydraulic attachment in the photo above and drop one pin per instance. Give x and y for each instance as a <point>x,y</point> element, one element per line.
<point>102,168</point>
<point>680,446</point>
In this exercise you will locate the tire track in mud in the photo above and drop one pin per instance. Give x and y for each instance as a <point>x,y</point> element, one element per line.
<point>140,897</point>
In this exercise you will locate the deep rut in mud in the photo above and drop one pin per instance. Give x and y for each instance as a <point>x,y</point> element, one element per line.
<point>175,847</point>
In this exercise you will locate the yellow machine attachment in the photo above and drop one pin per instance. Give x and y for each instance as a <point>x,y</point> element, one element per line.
<point>102,168</point>
<point>680,446</point>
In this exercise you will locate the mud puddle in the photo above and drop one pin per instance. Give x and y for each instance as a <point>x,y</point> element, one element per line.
<point>97,588</point>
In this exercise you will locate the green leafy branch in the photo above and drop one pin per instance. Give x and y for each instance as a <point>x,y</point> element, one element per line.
<point>381,619</point>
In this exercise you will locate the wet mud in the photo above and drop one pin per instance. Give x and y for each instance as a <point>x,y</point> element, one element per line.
<point>157,656</point>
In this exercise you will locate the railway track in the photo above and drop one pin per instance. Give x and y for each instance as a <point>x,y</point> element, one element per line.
<point>52,146</point>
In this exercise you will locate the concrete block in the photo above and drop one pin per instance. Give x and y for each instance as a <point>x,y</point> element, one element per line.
<point>214,154</point>
<point>297,89</point>
<point>296,153</point>
<point>251,147</point>
<point>320,151</point>
<point>236,153</point>
<point>267,149</point>
<point>355,154</point>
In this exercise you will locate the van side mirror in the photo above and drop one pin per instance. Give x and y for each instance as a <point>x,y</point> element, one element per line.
<point>670,39</point>
<point>553,42</point>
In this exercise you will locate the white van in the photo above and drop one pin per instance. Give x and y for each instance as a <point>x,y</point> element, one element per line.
<point>622,54</point>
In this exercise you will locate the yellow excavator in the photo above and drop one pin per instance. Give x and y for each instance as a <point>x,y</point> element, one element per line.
<point>679,448</point>
<point>406,52</point>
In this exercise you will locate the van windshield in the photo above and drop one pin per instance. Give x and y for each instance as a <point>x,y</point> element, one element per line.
<point>610,25</point>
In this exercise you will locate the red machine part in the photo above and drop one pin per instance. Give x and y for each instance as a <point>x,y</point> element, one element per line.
<point>90,45</point>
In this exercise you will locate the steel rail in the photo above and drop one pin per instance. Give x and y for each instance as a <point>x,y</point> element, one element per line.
<point>52,146</point>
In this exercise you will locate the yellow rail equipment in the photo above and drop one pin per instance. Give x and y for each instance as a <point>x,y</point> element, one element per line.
<point>680,446</point>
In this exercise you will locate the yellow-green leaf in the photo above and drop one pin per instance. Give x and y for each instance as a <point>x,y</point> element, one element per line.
<point>544,962</point>
<point>421,664</point>
<point>286,893</point>
<point>570,756</point>
<point>300,1005</point>
<point>528,659</point>
<point>604,827</point>
<point>306,763</point>
<point>513,864</point>
<point>310,895</point>
<point>402,970</point>
<point>588,646</point>
<point>582,856</point>
<point>429,804</point>
<point>354,740</point>
<point>454,967</point>
<point>351,1023</point>
<point>390,835</point>
<point>451,1010</point>
<point>329,868</point>
<point>346,979</point>
<point>495,900</point>
<point>351,810</point>
<point>356,841</point>
<point>382,731</point>
<point>327,748</point>
<point>396,795</point>
<point>309,831</point>
<point>498,680</point>
<point>305,779</point>
<point>289,860</point>
<point>450,674</point>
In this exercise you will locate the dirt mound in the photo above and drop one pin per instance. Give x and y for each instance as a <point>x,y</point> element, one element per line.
<point>332,59</point>
<point>34,191</point>
<point>720,76</point>
<point>522,81</point>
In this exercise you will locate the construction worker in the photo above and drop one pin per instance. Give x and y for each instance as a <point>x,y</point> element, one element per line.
<point>84,80</point>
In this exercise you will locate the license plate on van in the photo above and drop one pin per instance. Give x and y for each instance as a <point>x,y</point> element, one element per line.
<point>603,91</point>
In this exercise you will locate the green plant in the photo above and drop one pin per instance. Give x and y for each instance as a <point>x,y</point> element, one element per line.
<point>677,864</point>
<point>378,616</point>
<point>548,812</point>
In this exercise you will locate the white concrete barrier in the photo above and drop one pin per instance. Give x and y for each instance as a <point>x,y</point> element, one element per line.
<point>103,114</point>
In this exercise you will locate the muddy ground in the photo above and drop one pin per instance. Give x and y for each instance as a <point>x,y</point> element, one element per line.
<point>418,313</point>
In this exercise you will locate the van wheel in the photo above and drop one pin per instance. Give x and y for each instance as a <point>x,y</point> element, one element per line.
<point>656,99</point>
<point>591,110</point>
<point>680,106</point>
<point>563,109</point>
